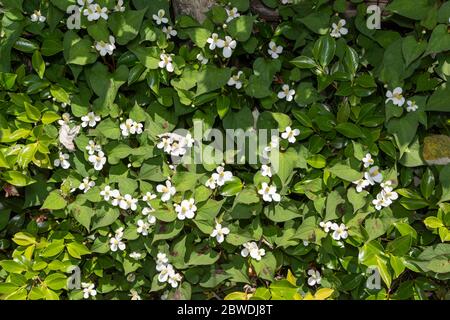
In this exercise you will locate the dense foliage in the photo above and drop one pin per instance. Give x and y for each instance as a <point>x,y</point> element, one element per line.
<point>86,151</point>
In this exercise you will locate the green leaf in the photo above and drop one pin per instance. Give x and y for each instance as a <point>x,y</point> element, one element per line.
<point>433,222</point>
<point>185,181</point>
<point>349,130</point>
<point>304,62</point>
<point>241,28</point>
<point>76,249</point>
<point>12,266</point>
<point>125,25</point>
<point>283,211</point>
<point>17,178</point>
<point>412,49</point>
<point>212,78</point>
<point>416,10</point>
<point>26,154</point>
<point>53,248</point>
<point>324,50</point>
<point>38,64</point>
<point>24,239</point>
<point>56,281</point>
<point>345,172</point>
<point>400,246</point>
<point>54,201</point>
<point>33,113</point>
<point>232,187</point>
<point>78,51</point>
<point>439,40</point>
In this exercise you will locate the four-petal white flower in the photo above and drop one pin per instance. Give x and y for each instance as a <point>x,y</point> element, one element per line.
<point>286,93</point>
<point>220,232</point>
<point>167,190</point>
<point>396,96</point>
<point>338,29</point>
<point>269,193</point>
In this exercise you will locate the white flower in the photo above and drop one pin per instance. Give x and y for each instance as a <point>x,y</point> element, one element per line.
<point>116,243</point>
<point>251,248</point>
<point>137,128</point>
<point>234,80</point>
<point>186,209</point>
<point>92,147</point>
<point>91,12</point>
<point>62,161</point>
<point>146,211</point>
<point>386,184</point>
<point>142,227</point>
<point>107,193</point>
<point>274,50</point>
<point>367,160</point>
<point>305,243</point>
<point>219,232</point>
<point>381,201</point>
<point>86,184</point>
<point>211,183</point>
<point>290,134</point>
<point>148,197</point>
<point>232,13</point>
<point>67,135</point>
<point>338,29</point>
<point>222,176</point>
<point>90,119</point>
<point>395,96</point>
<point>286,93</point>
<point>214,41</point>
<point>133,293</point>
<point>65,119</point>
<point>326,225</point>
<point>266,171</point>
<point>98,160</point>
<point>116,197</point>
<point>160,17</point>
<point>340,231</point>
<point>361,184</point>
<point>161,260</point>
<point>37,16</point>
<point>166,144</point>
<point>177,149</point>
<point>286,1</point>
<point>202,59</point>
<point>228,46</point>
<point>314,277</point>
<point>151,219</point>
<point>269,193</point>
<point>119,6</point>
<point>167,190</point>
<point>164,272</point>
<point>169,31</point>
<point>412,106</point>
<point>174,278</point>
<point>88,290</point>
<point>273,144</point>
<point>105,48</point>
<point>389,194</point>
<point>119,232</point>
<point>166,62</point>
<point>373,175</point>
<point>83,3</point>
<point>102,12</point>
<point>135,255</point>
<point>131,127</point>
<point>128,202</point>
